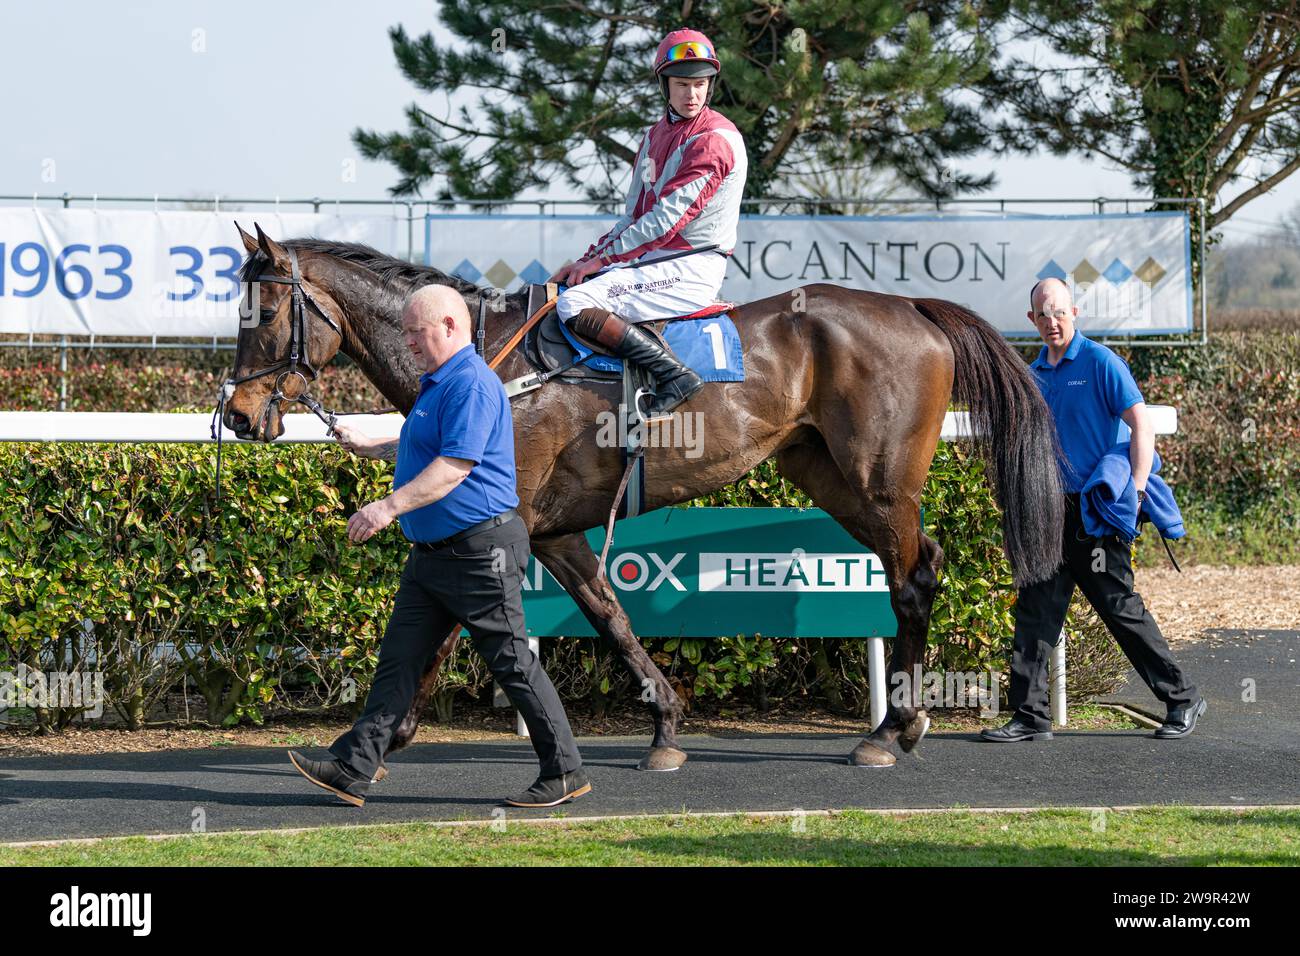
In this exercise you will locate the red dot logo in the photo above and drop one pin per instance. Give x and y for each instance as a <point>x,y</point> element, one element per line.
<point>630,571</point>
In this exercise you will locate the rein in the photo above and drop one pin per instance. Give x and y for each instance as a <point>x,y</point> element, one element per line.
<point>523,330</point>
<point>299,361</point>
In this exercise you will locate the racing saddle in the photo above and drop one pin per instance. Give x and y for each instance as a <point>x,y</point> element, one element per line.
<point>711,348</point>
<point>555,352</point>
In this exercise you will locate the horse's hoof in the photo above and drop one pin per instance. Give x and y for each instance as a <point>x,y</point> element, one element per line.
<point>662,759</point>
<point>380,774</point>
<point>914,731</point>
<point>867,754</point>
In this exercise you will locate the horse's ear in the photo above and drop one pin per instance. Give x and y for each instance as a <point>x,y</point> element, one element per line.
<point>250,242</point>
<point>277,253</point>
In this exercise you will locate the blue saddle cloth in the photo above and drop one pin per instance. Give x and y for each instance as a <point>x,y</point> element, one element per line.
<point>709,346</point>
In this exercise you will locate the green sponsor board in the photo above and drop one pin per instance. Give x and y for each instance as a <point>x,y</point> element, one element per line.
<point>711,572</point>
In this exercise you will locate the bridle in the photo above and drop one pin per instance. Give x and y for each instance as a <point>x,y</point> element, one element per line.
<point>299,355</point>
<point>298,362</point>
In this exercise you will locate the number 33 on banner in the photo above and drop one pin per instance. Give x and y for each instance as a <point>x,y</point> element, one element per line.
<point>75,280</point>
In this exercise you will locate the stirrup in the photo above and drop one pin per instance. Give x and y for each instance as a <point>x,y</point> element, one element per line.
<point>641,416</point>
<point>662,416</point>
<point>674,396</point>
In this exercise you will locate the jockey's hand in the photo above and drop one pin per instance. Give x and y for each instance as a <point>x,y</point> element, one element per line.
<point>576,272</point>
<point>370,520</point>
<point>561,275</point>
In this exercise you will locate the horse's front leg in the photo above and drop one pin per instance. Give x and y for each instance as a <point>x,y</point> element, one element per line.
<point>574,565</point>
<point>405,732</point>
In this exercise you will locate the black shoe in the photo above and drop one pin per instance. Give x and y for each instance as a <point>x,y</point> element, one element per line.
<point>1181,721</point>
<point>1014,731</point>
<point>673,382</point>
<point>552,791</point>
<point>332,776</point>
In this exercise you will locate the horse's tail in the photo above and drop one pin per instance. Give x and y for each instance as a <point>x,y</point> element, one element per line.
<point>1013,433</point>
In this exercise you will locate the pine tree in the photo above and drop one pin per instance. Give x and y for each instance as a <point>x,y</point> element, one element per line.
<point>566,89</point>
<point>1189,96</point>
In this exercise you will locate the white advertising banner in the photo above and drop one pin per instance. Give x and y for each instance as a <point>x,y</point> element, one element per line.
<point>133,272</point>
<point>1130,274</point>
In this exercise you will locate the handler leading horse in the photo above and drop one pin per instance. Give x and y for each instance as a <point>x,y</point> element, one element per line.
<point>847,389</point>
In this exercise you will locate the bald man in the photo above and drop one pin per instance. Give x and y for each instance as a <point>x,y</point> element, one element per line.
<point>454,496</point>
<point>1094,401</point>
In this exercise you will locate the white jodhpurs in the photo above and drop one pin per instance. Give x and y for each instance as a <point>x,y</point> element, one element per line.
<point>654,290</point>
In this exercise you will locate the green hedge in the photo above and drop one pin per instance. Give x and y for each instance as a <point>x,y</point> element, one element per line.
<point>264,586</point>
<point>1237,449</point>
<point>1235,463</point>
<point>1238,440</point>
<point>140,380</point>
<point>288,615</point>
<point>118,558</point>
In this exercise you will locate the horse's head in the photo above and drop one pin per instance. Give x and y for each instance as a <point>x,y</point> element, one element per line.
<point>290,327</point>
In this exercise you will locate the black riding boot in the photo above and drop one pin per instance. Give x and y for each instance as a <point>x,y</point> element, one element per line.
<point>674,383</point>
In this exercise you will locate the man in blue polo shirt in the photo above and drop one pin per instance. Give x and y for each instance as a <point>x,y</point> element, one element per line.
<point>454,497</point>
<point>1095,403</point>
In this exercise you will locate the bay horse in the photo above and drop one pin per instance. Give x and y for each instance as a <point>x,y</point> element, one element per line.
<point>846,388</point>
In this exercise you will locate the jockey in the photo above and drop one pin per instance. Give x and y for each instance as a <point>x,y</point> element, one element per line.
<point>678,230</point>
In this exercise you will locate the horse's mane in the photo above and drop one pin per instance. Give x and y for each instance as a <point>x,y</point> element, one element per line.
<point>396,275</point>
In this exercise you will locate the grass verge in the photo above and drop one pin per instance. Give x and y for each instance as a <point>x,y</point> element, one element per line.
<point>1154,836</point>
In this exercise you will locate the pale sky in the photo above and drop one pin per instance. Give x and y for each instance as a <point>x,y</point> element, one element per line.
<point>114,98</point>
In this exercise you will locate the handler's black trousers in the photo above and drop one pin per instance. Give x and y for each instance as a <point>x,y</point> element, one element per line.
<point>476,581</point>
<point>1103,569</point>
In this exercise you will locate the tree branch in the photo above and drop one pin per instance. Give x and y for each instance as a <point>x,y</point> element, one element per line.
<point>1271,106</point>
<point>586,11</point>
<point>599,72</point>
<point>460,129</point>
<point>1225,212</point>
<point>1229,166</point>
